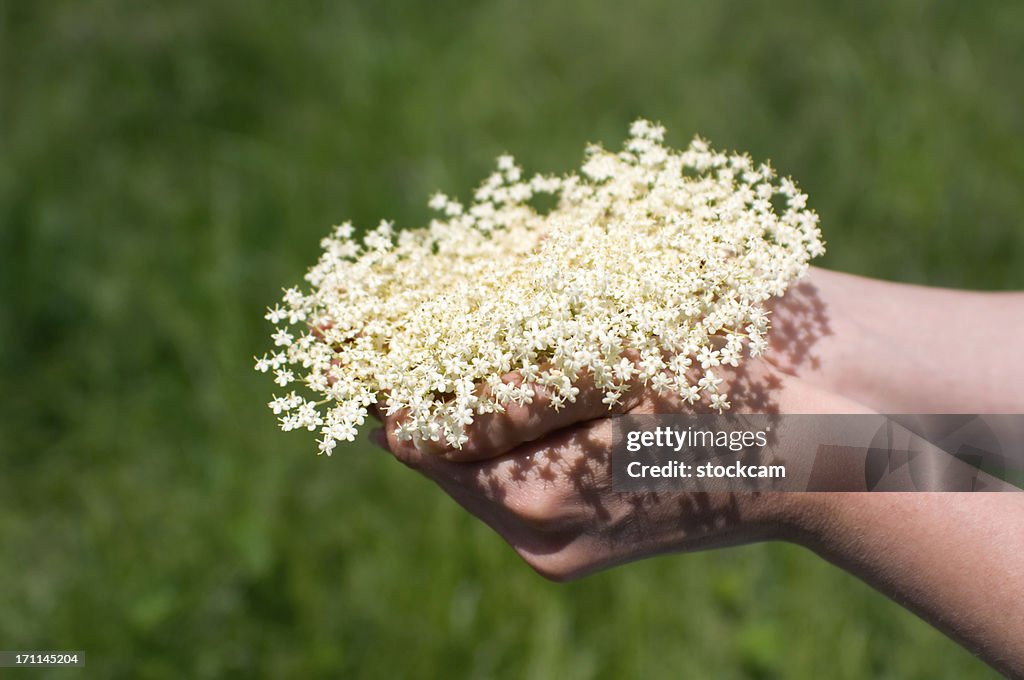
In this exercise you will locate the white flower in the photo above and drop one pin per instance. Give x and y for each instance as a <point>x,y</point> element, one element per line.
<point>343,431</point>
<point>758,345</point>
<point>708,358</point>
<point>709,382</point>
<point>326,445</point>
<point>282,338</point>
<point>275,314</point>
<point>646,269</point>
<point>731,355</point>
<point>293,298</point>
<point>624,370</point>
<point>679,364</point>
<point>660,382</point>
<point>691,394</point>
<point>438,201</point>
<point>646,130</point>
<point>279,405</point>
<point>612,399</point>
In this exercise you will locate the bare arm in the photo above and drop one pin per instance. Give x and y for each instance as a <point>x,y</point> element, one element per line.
<point>954,559</point>
<point>957,560</point>
<point>900,348</point>
<point>841,344</point>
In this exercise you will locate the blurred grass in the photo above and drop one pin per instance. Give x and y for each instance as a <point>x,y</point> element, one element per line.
<point>166,167</point>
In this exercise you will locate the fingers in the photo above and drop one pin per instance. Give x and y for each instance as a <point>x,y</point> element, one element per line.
<point>545,498</point>
<point>756,387</point>
<point>536,483</point>
<point>551,498</point>
<point>493,434</point>
<point>455,479</point>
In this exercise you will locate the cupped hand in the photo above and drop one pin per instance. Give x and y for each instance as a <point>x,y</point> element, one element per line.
<point>542,478</point>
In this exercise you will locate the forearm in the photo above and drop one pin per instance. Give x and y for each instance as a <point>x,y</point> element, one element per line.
<point>954,559</point>
<point>903,349</point>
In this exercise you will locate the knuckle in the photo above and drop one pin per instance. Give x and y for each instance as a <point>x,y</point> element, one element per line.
<point>540,509</point>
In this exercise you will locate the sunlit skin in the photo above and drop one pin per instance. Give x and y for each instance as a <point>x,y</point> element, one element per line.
<point>841,344</point>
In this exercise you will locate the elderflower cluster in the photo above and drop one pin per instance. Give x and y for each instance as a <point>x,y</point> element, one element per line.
<point>653,266</point>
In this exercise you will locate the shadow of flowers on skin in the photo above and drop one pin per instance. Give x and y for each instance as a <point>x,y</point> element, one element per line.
<point>553,500</point>
<point>551,497</point>
<point>799,320</point>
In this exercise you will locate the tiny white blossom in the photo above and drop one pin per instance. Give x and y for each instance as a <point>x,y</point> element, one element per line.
<point>279,405</point>
<point>731,355</point>
<point>283,337</point>
<point>343,431</point>
<point>709,381</point>
<point>758,345</point>
<point>708,358</point>
<point>438,201</point>
<point>691,394</point>
<point>275,314</point>
<point>644,271</point>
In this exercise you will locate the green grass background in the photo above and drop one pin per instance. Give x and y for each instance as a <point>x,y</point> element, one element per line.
<point>165,168</point>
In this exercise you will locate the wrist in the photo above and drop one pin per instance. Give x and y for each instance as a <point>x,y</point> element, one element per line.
<point>806,519</point>
<point>841,333</point>
<point>769,516</point>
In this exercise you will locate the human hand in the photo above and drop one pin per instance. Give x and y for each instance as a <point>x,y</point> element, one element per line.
<point>542,479</point>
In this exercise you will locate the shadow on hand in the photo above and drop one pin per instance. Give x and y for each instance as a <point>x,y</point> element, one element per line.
<point>548,495</point>
<point>558,489</point>
<point>799,319</point>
